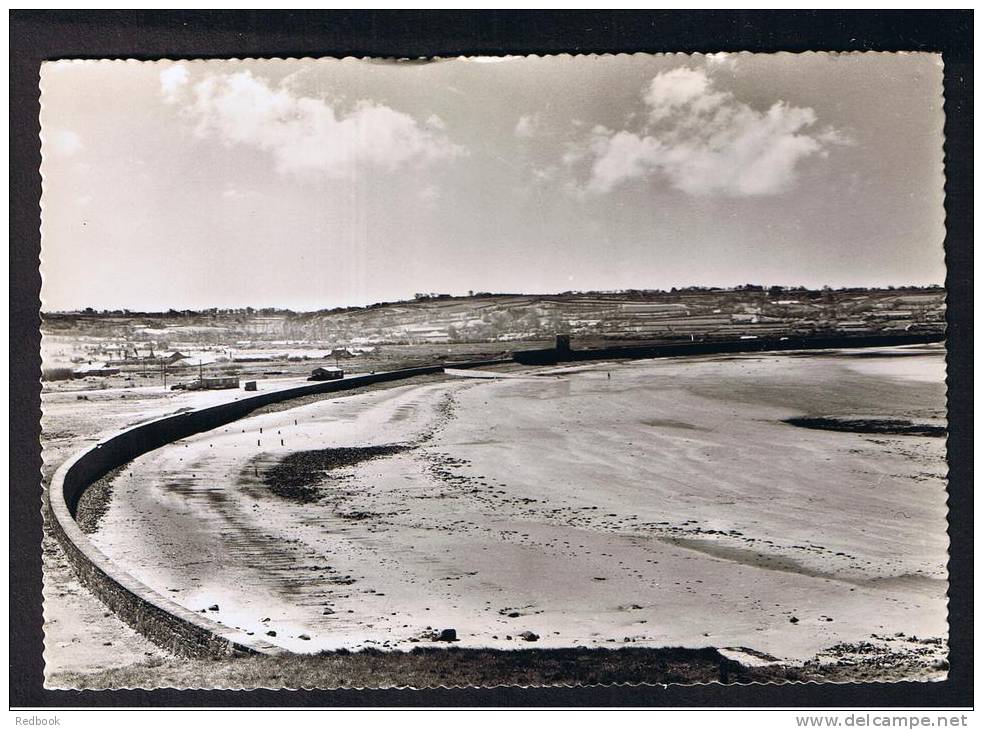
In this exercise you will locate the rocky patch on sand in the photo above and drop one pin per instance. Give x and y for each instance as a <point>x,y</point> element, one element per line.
<point>296,477</point>
<point>892,426</point>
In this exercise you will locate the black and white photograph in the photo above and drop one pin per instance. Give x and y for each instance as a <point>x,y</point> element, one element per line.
<point>523,370</point>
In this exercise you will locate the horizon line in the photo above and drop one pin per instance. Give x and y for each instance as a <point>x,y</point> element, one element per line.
<point>431,296</point>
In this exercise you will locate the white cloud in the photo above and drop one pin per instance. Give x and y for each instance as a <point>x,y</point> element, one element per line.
<point>527,126</point>
<point>722,61</point>
<point>307,135</point>
<point>621,156</point>
<point>704,141</point>
<point>676,89</point>
<point>63,142</point>
<point>435,122</point>
<point>172,80</point>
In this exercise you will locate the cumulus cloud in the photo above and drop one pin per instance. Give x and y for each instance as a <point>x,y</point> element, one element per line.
<point>527,126</point>
<point>172,80</point>
<point>308,135</point>
<point>704,141</point>
<point>722,61</point>
<point>435,122</point>
<point>621,156</point>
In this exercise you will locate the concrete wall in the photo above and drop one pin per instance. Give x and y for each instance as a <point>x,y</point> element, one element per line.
<point>762,344</point>
<point>169,625</point>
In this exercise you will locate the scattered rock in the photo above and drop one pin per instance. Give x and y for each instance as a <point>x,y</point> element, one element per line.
<point>446,635</point>
<point>213,607</point>
<point>271,633</point>
<point>304,637</point>
<point>529,636</point>
<point>793,620</point>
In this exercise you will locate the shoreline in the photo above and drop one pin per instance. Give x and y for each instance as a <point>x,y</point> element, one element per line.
<point>647,649</point>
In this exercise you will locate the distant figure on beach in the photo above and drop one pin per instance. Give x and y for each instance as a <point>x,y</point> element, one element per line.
<point>609,376</point>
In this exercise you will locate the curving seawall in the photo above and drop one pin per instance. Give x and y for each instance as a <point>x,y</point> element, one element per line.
<point>552,355</point>
<point>167,624</point>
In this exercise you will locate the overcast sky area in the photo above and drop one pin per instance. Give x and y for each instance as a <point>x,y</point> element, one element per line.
<point>314,184</point>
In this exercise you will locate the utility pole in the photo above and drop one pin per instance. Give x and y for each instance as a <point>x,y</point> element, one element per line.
<point>163,372</point>
<point>201,378</point>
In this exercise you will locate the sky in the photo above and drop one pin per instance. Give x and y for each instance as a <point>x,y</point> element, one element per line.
<point>309,184</point>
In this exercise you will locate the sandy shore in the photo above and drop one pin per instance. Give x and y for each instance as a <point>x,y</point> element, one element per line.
<point>80,633</point>
<point>652,503</point>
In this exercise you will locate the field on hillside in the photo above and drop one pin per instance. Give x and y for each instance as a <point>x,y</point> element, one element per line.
<point>136,341</point>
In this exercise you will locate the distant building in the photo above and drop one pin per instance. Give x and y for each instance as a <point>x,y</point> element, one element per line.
<point>99,368</point>
<point>215,383</point>
<point>327,374</point>
<point>347,352</point>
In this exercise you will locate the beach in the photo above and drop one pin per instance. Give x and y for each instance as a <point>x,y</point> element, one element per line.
<point>650,503</point>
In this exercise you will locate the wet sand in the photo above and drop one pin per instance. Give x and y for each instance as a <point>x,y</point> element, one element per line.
<point>650,503</point>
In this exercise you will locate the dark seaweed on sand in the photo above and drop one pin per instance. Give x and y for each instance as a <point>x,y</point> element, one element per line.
<point>297,475</point>
<point>890,426</point>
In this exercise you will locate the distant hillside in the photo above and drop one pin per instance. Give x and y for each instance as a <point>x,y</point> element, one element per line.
<point>686,314</point>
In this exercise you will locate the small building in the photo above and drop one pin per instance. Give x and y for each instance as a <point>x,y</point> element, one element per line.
<point>327,374</point>
<point>340,352</point>
<point>250,385</point>
<point>214,383</point>
<point>99,368</point>
<point>172,357</point>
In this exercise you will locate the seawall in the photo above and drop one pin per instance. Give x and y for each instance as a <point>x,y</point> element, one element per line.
<point>552,356</point>
<point>164,622</point>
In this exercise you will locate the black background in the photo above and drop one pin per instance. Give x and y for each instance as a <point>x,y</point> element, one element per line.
<point>36,36</point>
